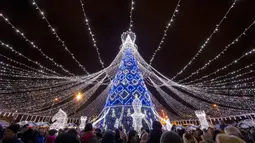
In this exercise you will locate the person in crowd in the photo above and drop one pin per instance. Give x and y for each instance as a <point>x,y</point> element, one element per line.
<point>66,138</point>
<point>108,137</point>
<point>189,138</point>
<point>198,133</point>
<point>144,135</point>
<point>89,136</point>
<point>52,136</point>
<point>155,134</point>
<point>123,135</point>
<point>99,134</point>
<point>132,136</point>
<point>231,130</point>
<point>215,133</point>
<point>40,136</point>
<point>223,138</point>
<point>27,134</point>
<point>117,136</point>
<point>1,131</point>
<point>10,134</point>
<point>207,136</point>
<point>170,137</point>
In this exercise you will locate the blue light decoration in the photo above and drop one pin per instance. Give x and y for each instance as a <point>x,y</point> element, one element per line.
<point>126,85</point>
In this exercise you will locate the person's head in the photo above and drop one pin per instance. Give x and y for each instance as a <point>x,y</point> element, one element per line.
<point>132,135</point>
<point>97,130</point>
<point>42,131</point>
<point>52,132</point>
<point>88,127</point>
<point>117,134</point>
<point>222,138</point>
<point>147,130</point>
<point>108,137</point>
<point>66,138</point>
<point>11,131</point>
<point>73,132</point>
<point>231,130</point>
<point>170,137</point>
<point>156,125</point>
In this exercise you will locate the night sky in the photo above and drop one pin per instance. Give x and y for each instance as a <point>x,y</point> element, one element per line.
<point>195,21</point>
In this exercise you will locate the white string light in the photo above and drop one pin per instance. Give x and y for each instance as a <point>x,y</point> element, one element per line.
<point>223,76</point>
<point>31,68</point>
<point>132,8</point>
<point>165,31</point>
<point>223,82</point>
<point>223,68</point>
<point>33,45</point>
<point>207,41</point>
<point>33,61</point>
<point>92,35</point>
<point>220,54</point>
<point>57,36</point>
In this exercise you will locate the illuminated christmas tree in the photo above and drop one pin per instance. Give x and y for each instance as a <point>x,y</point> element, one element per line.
<point>128,92</point>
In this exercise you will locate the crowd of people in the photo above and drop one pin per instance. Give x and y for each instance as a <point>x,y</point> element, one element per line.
<point>224,134</point>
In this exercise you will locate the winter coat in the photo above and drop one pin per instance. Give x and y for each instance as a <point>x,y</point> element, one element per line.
<point>89,137</point>
<point>154,136</point>
<point>12,140</point>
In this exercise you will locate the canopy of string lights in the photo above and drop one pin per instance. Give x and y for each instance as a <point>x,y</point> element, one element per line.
<point>64,55</point>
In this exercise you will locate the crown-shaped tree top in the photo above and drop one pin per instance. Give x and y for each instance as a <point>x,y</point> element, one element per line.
<point>128,38</point>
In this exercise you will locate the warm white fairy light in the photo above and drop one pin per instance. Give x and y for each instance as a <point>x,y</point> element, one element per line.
<point>220,54</point>
<point>207,40</point>
<point>165,31</point>
<point>33,45</point>
<point>223,76</point>
<point>26,66</point>
<point>57,36</point>
<point>132,8</point>
<point>224,67</point>
<point>19,54</point>
<point>226,80</point>
<point>92,35</point>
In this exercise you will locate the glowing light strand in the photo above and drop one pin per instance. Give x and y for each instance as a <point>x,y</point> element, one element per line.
<point>92,35</point>
<point>33,45</point>
<point>131,15</point>
<point>220,54</point>
<point>206,42</point>
<point>176,10</point>
<point>19,54</point>
<point>57,36</point>
<point>31,68</point>
<point>223,76</point>
<point>226,66</point>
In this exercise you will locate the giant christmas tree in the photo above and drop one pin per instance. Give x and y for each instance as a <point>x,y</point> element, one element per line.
<point>128,103</point>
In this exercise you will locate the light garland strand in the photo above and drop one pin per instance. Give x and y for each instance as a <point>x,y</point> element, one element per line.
<point>223,82</point>
<point>31,68</point>
<point>33,61</point>
<point>33,45</point>
<point>92,35</point>
<point>220,54</point>
<point>206,42</point>
<point>224,67</point>
<point>131,15</point>
<point>57,36</point>
<point>165,31</point>
<point>223,76</point>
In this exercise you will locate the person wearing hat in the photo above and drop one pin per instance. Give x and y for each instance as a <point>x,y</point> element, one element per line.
<point>10,134</point>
